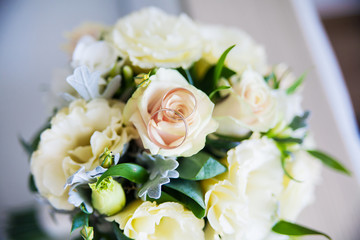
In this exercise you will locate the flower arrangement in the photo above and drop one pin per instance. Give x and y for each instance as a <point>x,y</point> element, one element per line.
<point>177,130</point>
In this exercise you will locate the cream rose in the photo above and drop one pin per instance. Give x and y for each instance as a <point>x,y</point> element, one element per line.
<point>246,202</point>
<point>171,116</point>
<point>77,137</point>
<point>96,55</point>
<point>251,105</point>
<point>297,195</point>
<point>246,52</point>
<point>169,220</point>
<point>151,38</point>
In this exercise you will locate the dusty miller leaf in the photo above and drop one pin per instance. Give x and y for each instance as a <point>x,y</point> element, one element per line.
<point>86,83</point>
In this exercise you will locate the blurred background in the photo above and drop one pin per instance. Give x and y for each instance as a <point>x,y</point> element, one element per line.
<point>341,20</point>
<point>303,33</point>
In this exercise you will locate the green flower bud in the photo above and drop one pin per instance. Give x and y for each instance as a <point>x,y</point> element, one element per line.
<point>128,74</point>
<point>108,197</point>
<point>87,233</point>
<point>106,158</point>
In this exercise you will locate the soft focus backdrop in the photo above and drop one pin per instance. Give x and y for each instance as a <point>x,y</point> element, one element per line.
<point>30,46</point>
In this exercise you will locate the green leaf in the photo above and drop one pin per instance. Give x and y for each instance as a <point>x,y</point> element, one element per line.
<point>165,197</point>
<point>270,77</point>
<point>188,193</point>
<point>296,84</point>
<point>118,233</point>
<point>288,140</point>
<point>32,185</point>
<point>32,145</point>
<point>79,220</point>
<point>329,161</point>
<point>133,172</point>
<point>292,229</point>
<point>233,138</point>
<point>212,94</point>
<point>284,156</point>
<point>299,121</point>
<point>219,145</point>
<point>199,166</point>
<point>220,64</point>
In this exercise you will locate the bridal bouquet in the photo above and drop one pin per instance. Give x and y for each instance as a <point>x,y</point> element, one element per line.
<point>173,129</point>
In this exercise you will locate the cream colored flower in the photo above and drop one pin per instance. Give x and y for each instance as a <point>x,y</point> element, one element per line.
<point>289,105</point>
<point>151,38</point>
<point>297,195</point>
<point>149,221</point>
<point>77,137</point>
<point>246,52</point>
<point>255,168</point>
<point>251,105</point>
<point>96,55</point>
<point>226,212</point>
<point>244,205</point>
<point>184,103</point>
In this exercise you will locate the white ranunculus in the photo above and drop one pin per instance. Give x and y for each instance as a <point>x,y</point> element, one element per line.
<point>226,212</point>
<point>147,100</point>
<point>77,137</point>
<point>96,55</point>
<point>254,169</point>
<point>250,105</point>
<point>246,52</point>
<point>297,195</point>
<point>169,220</point>
<point>151,38</point>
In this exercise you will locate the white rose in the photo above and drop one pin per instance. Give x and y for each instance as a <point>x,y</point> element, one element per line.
<point>151,38</point>
<point>297,195</point>
<point>251,105</point>
<point>96,55</point>
<point>255,179</point>
<point>246,52</point>
<point>169,220</point>
<point>184,104</point>
<point>77,137</point>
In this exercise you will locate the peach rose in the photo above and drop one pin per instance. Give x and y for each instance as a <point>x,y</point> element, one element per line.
<point>171,116</point>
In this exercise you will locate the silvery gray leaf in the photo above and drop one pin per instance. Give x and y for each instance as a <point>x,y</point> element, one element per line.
<point>85,82</point>
<point>79,176</point>
<point>159,165</point>
<point>112,87</point>
<point>83,177</point>
<point>68,97</point>
<point>96,172</point>
<point>77,198</point>
<point>152,188</point>
<point>116,158</point>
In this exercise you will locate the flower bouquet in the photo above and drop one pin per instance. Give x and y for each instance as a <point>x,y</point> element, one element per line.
<point>173,129</point>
